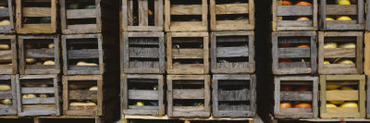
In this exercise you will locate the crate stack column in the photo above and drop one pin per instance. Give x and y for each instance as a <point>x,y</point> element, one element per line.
<point>142,58</point>
<point>89,75</point>
<point>294,59</point>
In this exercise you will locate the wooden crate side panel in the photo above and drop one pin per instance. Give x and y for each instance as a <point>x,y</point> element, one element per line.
<point>9,109</point>
<point>8,12</point>
<point>10,54</point>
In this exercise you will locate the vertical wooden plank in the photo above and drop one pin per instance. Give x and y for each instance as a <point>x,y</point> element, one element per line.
<point>251,14</point>
<point>169,96</point>
<point>323,93</point>
<point>252,63</point>
<point>359,54</point>
<point>13,42</point>
<point>215,97</point>
<point>207,94</point>
<point>315,91</point>
<point>362,98</point>
<point>169,48</point>
<point>161,94</point>
<point>53,15</point>
<point>21,57</point>
<point>277,94</point>
<point>63,14</point>
<point>167,16</point>
<point>158,14</point>
<point>101,53</point>
<point>98,16</point>
<point>206,54</point>
<point>56,94</point>
<point>65,93</point>
<point>321,52</point>
<point>313,53</point>
<point>204,13</point>
<point>323,16</point>
<point>213,49</point>
<point>19,96</point>
<point>100,97</point>
<point>11,14</point>
<point>212,12</point>
<point>143,12</point>
<point>19,14</point>
<point>162,52</point>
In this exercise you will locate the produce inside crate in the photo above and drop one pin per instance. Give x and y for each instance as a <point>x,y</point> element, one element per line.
<point>296,97</point>
<point>295,15</point>
<point>8,54</point>
<point>67,120</point>
<point>188,95</point>
<point>82,95</point>
<point>342,96</point>
<point>142,15</point>
<point>8,100</point>
<point>340,53</point>
<point>232,52</point>
<point>7,16</point>
<point>142,95</point>
<point>234,95</point>
<point>232,15</point>
<point>37,95</point>
<point>36,16</point>
<point>143,52</point>
<point>187,53</point>
<point>83,54</point>
<point>294,52</point>
<point>39,54</point>
<point>182,15</point>
<point>80,16</point>
<point>342,14</point>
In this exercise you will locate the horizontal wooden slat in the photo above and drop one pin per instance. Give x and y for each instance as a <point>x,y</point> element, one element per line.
<point>339,52</point>
<point>6,95</point>
<point>4,12</point>
<point>82,94</point>
<point>144,52</point>
<point>6,55</point>
<point>341,9</point>
<point>296,110</point>
<point>188,94</point>
<point>188,108</point>
<point>295,65</point>
<point>232,52</point>
<point>48,100</point>
<point>187,53</point>
<point>83,54</point>
<point>294,23</point>
<point>338,66</point>
<point>143,107</point>
<point>294,52</point>
<point>233,95</point>
<point>81,13</point>
<point>342,110</point>
<point>37,90</point>
<point>39,53</point>
<point>36,12</point>
<point>143,95</point>
<point>294,10</point>
<point>82,26</point>
<point>295,96</point>
<point>237,8</point>
<point>186,9</point>
<point>348,95</point>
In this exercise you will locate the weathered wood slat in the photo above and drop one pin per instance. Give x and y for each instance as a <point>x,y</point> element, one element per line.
<point>42,101</point>
<point>294,52</point>
<point>37,90</point>
<point>296,110</point>
<point>6,55</point>
<point>81,14</point>
<point>296,96</point>
<point>144,52</point>
<point>83,54</point>
<point>349,95</point>
<point>234,95</point>
<point>340,9</point>
<point>232,52</point>
<point>187,53</point>
<point>186,9</point>
<point>143,95</point>
<point>40,53</point>
<point>236,8</point>
<point>294,10</point>
<point>188,94</point>
<point>82,94</point>
<point>36,11</point>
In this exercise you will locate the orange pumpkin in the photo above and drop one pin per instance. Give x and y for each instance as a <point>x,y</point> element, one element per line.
<point>285,105</point>
<point>303,46</point>
<point>303,3</point>
<point>303,105</point>
<point>302,89</point>
<point>303,19</point>
<point>286,2</point>
<point>284,60</point>
<point>286,88</point>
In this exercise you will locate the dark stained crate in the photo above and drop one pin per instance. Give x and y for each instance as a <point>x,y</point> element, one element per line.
<point>39,54</point>
<point>234,95</point>
<point>338,55</point>
<point>187,53</point>
<point>8,93</point>
<point>142,15</point>
<point>38,95</point>
<point>303,89</point>
<point>80,16</point>
<point>232,52</point>
<point>143,52</point>
<point>188,95</point>
<point>184,16</point>
<point>294,52</point>
<point>36,16</point>
<point>232,15</point>
<point>8,16</point>
<point>80,49</point>
<point>145,89</point>
<point>8,54</point>
<point>285,17</point>
<point>330,9</point>
<point>356,94</point>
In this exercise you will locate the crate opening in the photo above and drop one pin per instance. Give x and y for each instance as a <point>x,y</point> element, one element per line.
<point>242,105</point>
<point>187,61</point>
<point>83,53</point>
<point>143,84</point>
<point>188,84</point>
<point>186,18</point>
<point>92,120</point>
<point>185,2</point>
<point>232,41</point>
<point>81,21</point>
<point>189,102</point>
<point>296,18</point>
<point>222,60</point>
<point>135,14</point>
<point>19,120</point>
<point>187,42</point>
<point>39,53</point>
<point>237,17</point>
<point>86,4</point>
<point>336,2</point>
<point>6,91</point>
<point>231,1</point>
<point>82,95</point>
<point>293,2</point>
<point>35,3</point>
<point>143,104</point>
<point>344,62</point>
<point>5,49</point>
<point>294,63</point>
<point>233,84</point>
<point>36,20</point>
<point>294,41</point>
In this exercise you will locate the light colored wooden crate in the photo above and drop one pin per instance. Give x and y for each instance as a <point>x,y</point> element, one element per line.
<point>9,56</point>
<point>7,13</point>
<point>11,94</point>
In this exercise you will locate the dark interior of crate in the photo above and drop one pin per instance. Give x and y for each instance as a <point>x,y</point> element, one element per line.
<point>232,51</point>
<point>188,94</point>
<point>195,16</point>
<point>296,93</point>
<point>135,19</point>
<point>185,48</point>
<point>83,92</point>
<point>219,121</point>
<point>340,92</point>
<point>6,98</point>
<point>234,95</point>
<point>292,12</point>
<point>37,93</point>
<point>4,13</point>
<point>155,121</point>
<point>30,120</point>
<point>294,52</point>
<point>78,12</point>
<point>5,52</point>
<point>144,52</point>
<point>81,51</point>
<point>239,15</point>
<point>335,11</point>
<point>143,94</point>
<point>38,53</point>
<point>31,18</point>
<point>66,120</point>
<point>338,55</point>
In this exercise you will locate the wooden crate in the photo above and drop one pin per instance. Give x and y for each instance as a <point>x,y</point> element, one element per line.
<point>296,89</point>
<point>37,95</point>
<point>232,15</point>
<point>184,16</point>
<point>331,54</point>
<point>234,95</point>
<point>367,53</point>
<point>232,52</point>
<point>146,89</point>
<point>36,51</point>
<point>8,92</point>
<point>187,53</point>
<point>7,14</point>
<point>80,16</point>
<point>8,59</point>
<point>79,97</point>
<point>143,52</point>
<point>355,11</point>
<point>294,52</point>
<point>356,94</point>
<point>68,119</point>
<point>145,15</point>
<point>35,17</point>
<point>286,17</point>
<point>80,48</point>
<point>188,95</point>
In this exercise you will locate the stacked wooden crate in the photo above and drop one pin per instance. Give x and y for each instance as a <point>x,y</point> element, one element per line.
<point>294,56</point>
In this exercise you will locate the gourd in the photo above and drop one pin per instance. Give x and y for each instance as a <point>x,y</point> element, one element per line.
<point>4,47</point>
<point>7,101</point>
<point>30,60</point>
<point>82,104</point>
<point>4,22</point>
<point>4,87</point>
<point>94,88</point>
<point>81,63</point>
<point>49,62</point>
<point>51,46</point>
<point>29,96</point>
